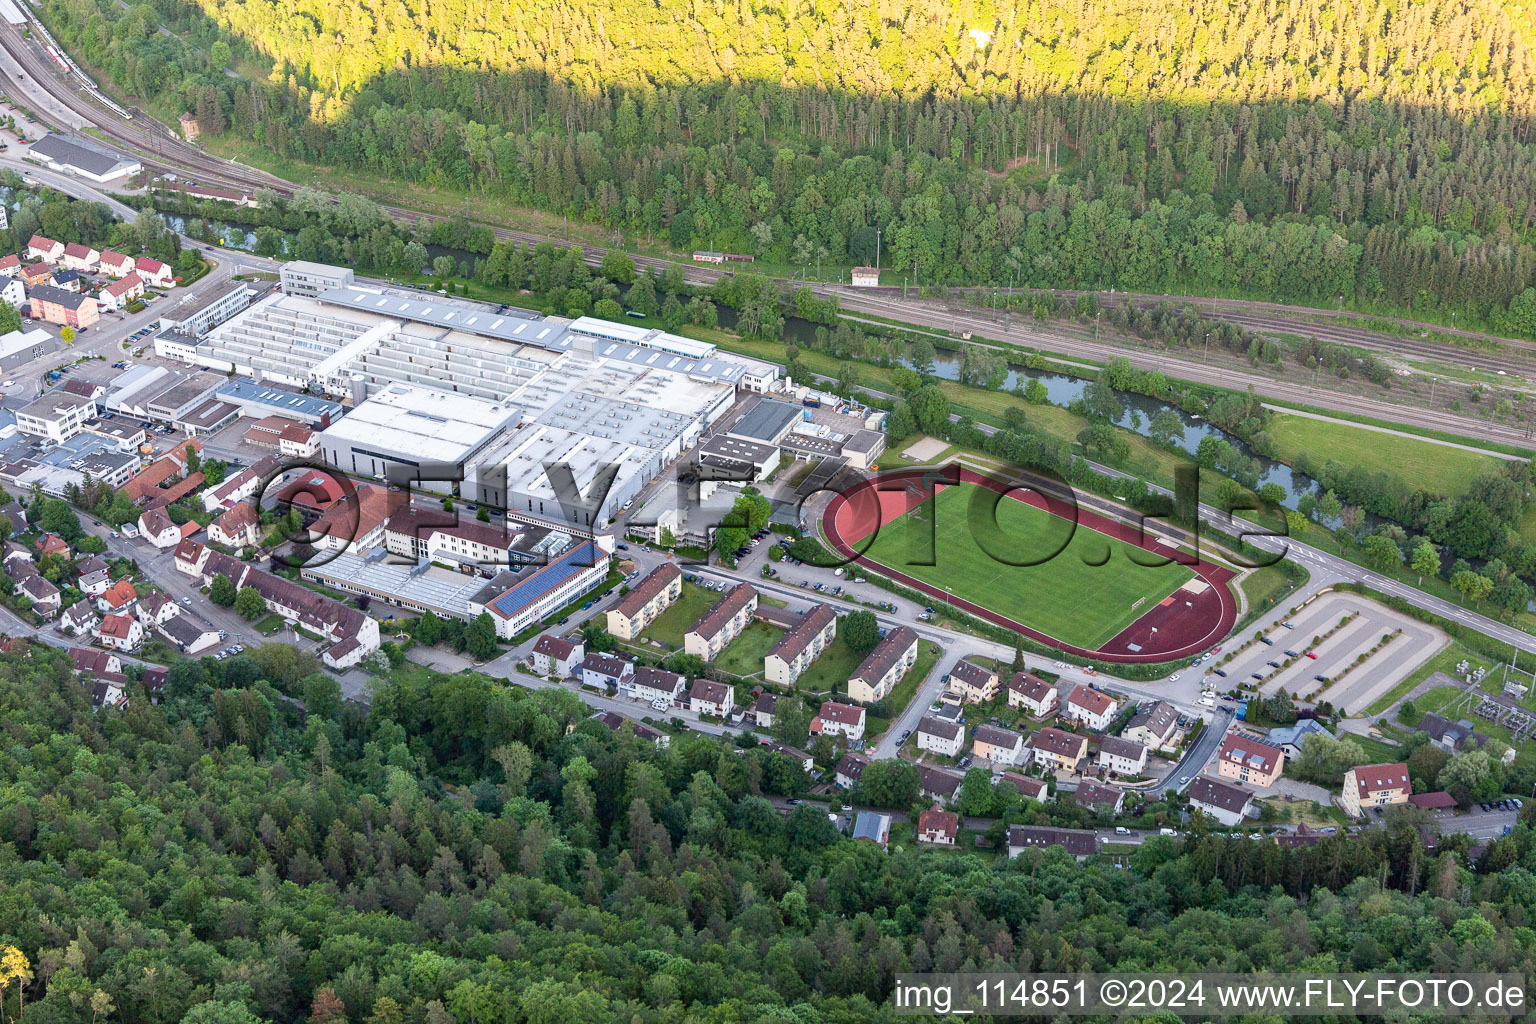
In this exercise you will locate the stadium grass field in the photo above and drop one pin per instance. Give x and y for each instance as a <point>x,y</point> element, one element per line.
<point>1079,596</point>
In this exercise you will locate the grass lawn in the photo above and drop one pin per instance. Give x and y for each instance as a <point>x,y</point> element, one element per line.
<point>1075,596</point>
<point>1437,467</point>
<point>744,655</point>
<point>1262,586</point>
<point>1445,661</point>
<point>829,673</point>
<point>1310,813</point>
<point>269,625</point>
<point>671,624</point>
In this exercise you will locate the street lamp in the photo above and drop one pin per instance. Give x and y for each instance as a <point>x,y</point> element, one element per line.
<point>877,249</point>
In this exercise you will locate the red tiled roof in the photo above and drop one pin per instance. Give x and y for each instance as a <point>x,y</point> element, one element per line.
<point>119,594</point>
<point>119,627</point>
<point>934,820</point>
<point>1372,778</point>
<point>117,289</point>
<point>845,714</point>
<point>1090,700</point>
<point>1251,754</point>
<point>657,580</point>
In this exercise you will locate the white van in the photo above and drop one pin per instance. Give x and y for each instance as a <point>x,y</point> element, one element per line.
<point>1166,832</point>
<point>1121,830</point>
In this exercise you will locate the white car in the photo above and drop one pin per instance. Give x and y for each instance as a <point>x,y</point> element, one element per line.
<point>659,704</point>
<point>1207,693</point>
<point>1206,702</point>
<point>1173,678</point>
<point>9,384</point>
<point>1061,664</point>
<point>837,572</point>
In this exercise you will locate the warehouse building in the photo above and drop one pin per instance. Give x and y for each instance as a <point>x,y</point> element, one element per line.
<point>76,156</point>
<point>20,347</point>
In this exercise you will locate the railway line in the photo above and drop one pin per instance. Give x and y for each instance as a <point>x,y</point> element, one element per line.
<point>163,150</point>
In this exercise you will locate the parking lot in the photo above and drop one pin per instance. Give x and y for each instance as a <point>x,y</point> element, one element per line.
<point>1307,663</point>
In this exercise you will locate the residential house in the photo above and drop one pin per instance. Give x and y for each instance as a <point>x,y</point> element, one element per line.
<point>189,634</point>
<point>653,684</point>
<point>119,632</point>
<point>1122,756</point>
<point>117,598</point>
<point>52,544</point>
<point>762,711</point>
<point>998,745</point>
<point>653,595</point>
<point>119,294</point>
<point>1291,738</point>
<point>1079,843</point>
<point>1034,789</point>
<point>1250,761</point>
<point>804,760</point>
<point>81,257</point>
<point>106,695</point>
<point>1223,801</point>
<point>873,827</point>
<point>557,656</point>
<point>10,265</point>
<point>938,826</point>
<point>711,698</point>
<point>722,623</point>
<point>238,527</point>
<point>972,683</point>
<point>45,249</point>
<point>154,273</point>
<point>940,736</point>
<point>937,784</point>
<point>36,274</point>
<point>1444,733</point>
<point>44,596</point>
<point>788,659</point>
<point>115,264</point>
<point>1375,785</point>
<point>156,527</point>
<point>241,486</point>
<point>66,280</point>
<point>600,671</point>
<point>14,294</point>
<point>1093,708</point>
<point>1155,726</point>
<point>79,618</point>
<point>156,609</point>
<point>98,664</point>
<point>884,666</point>
<point>849,767</point>
<point>834,719</point>
<point>1033,694</point>
<point>1100,798</point>
<point>94,575</point>
<point>1056,749</point>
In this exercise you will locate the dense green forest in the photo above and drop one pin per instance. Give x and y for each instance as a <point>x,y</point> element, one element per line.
<point>1377,154</point>
<point>469,851</point>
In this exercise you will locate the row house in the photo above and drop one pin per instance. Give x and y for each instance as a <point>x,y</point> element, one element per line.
<point>601,671</point>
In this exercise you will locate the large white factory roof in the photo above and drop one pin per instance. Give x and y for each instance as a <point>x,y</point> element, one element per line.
<point>428,424</point>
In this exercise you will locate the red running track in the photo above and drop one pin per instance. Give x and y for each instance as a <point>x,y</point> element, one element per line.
<point>1181,626</point>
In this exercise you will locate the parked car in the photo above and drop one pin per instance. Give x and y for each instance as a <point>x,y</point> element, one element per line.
<point>1292,654</point>
<point>1121,830</point>
<point>1312,655</point>
<point>1266,641</point>
<point>1220,671</point>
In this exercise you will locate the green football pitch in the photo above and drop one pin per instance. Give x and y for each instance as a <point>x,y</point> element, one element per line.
<point>1083,595</point>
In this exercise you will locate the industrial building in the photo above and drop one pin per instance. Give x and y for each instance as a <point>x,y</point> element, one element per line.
<point>20,347</point>
<point>410,430</point>
<point>195,315</point>
<point>76,156</point>
<point>301,277</point>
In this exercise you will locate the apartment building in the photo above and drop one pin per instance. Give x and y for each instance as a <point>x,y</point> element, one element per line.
<point>1250,761</point>
<point>722,623</point>
<point>885,666</point>
<point>653,595</point>
<point>1375,785</point>
<point>803,644</point>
